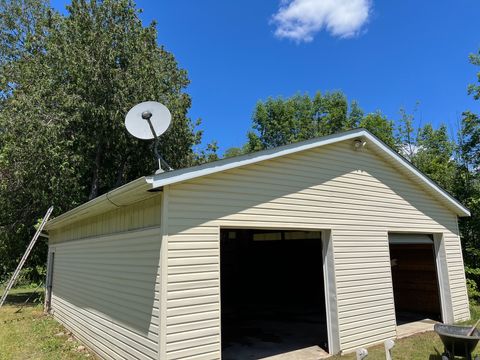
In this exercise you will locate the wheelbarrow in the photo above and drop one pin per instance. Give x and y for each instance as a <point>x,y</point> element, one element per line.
<point>456,342</point>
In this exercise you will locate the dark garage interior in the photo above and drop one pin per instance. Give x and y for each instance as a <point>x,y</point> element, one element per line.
<point>272,292</point>
<point>415,282</point>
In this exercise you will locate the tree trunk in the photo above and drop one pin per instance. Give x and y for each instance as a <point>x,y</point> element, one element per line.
<point>96,170</point>
<point>120,174</point>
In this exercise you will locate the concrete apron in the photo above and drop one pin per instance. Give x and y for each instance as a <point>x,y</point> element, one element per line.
<point>310,353</point>
<point>260,349</point>
<point>415,327</point>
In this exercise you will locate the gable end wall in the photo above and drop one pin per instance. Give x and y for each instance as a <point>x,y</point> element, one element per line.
<point>356,195</point>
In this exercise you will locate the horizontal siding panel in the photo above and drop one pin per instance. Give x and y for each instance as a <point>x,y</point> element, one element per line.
<point>180,328</point>
<point>193,245</point>
<point>193,276</point>
<point>183,319</point>
<point>354,283</point>
<point>192,309</point>
<point>205,260</point>
<point>333,207</point>
<point>211,355</point>
<point>106,326</point>
<point>105,288</point>
<point>142,214</point>
<point>335,198</point>
<point>108,295</point>
<point>190,269</point>
<point>197,333</point>
<point>372,340</point>
<point>192,342</point>
<point>363,316</point>
<point>375,325</point>
<point>365,299</point>
<point>191,352</point>
<point>172,254</point>
<point>185,294</point>
<point>199,300</point>
<point>366,334</point>
<point>190,285</point>
<point>310,218</point>
<point>130,285</point>
<point>363,289</point>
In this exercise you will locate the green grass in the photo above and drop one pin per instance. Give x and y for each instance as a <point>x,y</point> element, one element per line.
<point>30,334</point>
<point>426,346</point>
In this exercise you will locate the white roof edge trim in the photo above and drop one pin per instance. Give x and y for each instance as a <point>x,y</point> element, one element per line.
<point>168,178</point>
<point>82,210</point>
<point>462,210</point>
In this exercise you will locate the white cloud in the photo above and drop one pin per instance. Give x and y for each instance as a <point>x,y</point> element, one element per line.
<point>300,20</point>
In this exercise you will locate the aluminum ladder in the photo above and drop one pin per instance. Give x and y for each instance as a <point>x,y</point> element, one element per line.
<point>16,273</point>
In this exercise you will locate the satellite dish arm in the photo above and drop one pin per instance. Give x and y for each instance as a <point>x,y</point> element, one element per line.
<point>147,116</point>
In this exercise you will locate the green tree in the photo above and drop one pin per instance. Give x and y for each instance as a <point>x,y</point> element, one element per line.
<point>474,89</point>
<point>467,186</point>
<point>233,151</point>
<point>435,155</point>
<point>66,84</point>
<point>467,190</point>
<point>379,125</point>
<point>431,150</point>
<point>279,121</point>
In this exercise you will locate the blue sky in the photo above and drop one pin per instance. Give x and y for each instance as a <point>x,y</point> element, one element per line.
<point>384,54</point>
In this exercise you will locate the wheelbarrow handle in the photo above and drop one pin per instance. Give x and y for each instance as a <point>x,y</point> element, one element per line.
<point>470,332</point>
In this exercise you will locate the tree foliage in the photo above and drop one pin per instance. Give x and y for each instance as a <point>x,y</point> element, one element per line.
<point>279,121</point>
<point>379,125</point>
<point>66,83</point>
<point>435,155</point>
<point>467,189</point>
<point>467,186</point>
<point>474,89</point>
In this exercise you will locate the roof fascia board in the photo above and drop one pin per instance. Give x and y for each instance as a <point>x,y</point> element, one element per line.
<point>461,210</point>
<point>124,195</point>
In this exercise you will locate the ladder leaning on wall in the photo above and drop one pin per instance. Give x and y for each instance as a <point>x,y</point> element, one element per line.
<point>16,273</point>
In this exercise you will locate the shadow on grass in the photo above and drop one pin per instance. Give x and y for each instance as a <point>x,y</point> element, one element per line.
<point>19,297</point>
<point>437,356</point>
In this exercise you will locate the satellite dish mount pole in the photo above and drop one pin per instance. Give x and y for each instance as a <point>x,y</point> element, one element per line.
<point>147,115</point>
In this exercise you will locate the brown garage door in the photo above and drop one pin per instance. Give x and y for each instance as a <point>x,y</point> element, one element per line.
<point>414,274</point>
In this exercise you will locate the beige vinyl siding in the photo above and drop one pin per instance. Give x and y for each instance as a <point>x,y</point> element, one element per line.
<point>357,195</point>
<point>139,215</point>
<point>106,286</point>
<point>456,273</point>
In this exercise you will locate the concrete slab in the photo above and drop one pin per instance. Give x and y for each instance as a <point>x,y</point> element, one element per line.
<point>309,353</point>
<point>415,327</point>
<point>263,351</point>
<point>296,339</point>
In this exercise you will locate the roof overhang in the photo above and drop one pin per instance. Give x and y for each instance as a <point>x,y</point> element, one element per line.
<point>142,188</point>
<point>127,194</point>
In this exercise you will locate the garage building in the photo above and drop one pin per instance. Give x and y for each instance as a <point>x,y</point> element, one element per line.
<point>327,245</point>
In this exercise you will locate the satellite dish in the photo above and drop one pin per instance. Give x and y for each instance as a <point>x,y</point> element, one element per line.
<point>148,120</point>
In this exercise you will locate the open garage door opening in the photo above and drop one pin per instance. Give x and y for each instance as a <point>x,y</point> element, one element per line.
<point>272,294</point>
<point>414,277</point>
